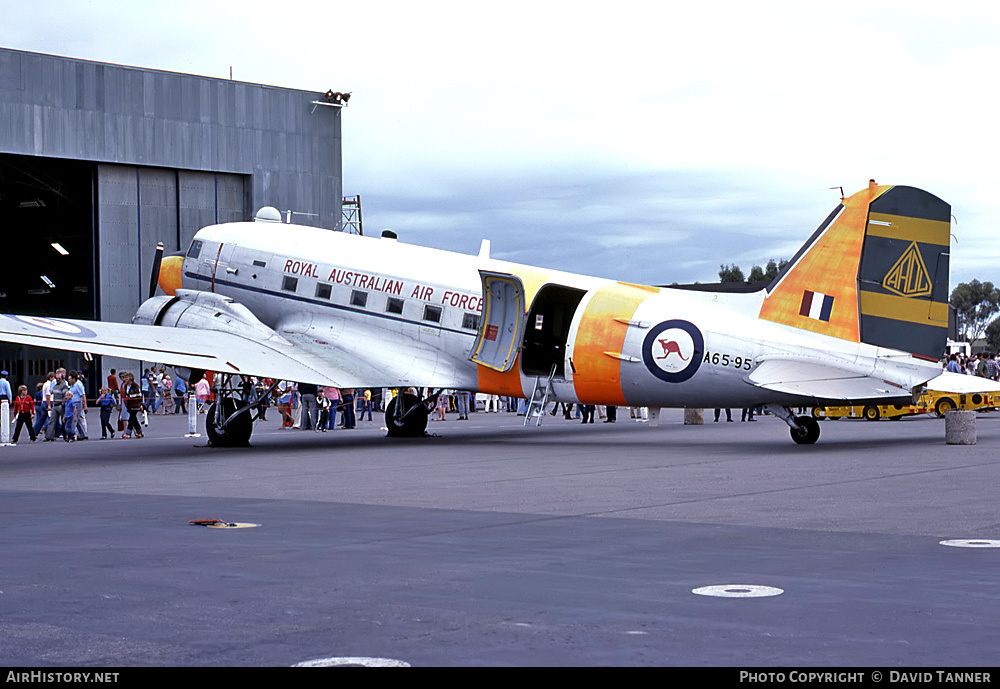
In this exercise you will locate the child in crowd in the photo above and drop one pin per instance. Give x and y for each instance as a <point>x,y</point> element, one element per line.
<point>24,407</point>
<point>107,403</point>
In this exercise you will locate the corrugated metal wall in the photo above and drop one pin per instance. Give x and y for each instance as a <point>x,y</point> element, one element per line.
<point>176,152</point>
<point>64,108</point>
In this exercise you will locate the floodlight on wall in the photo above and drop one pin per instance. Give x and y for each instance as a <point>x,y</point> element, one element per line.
<point>333,99</point>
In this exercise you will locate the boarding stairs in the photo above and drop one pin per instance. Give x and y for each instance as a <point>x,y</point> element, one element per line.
<point>540,395</point>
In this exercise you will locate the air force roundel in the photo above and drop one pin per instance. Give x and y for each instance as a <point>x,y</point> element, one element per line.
<point>55,325</point>
<point>672,350</point>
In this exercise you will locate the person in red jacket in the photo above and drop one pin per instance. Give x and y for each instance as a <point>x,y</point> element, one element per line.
<point>24,407</point>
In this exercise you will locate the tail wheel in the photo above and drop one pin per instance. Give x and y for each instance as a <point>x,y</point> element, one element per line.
<point>413,420</point>
<point>943,405</point>
<point>807,432</point>
<point>871,413</point>
<point>234,434</point>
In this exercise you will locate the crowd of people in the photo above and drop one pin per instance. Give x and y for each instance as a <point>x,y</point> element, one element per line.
<point>983,365</point>
<point>58,408</point>
<point>59,405</point>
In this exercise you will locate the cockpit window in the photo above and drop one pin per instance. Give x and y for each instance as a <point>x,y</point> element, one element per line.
<point>195,250</point>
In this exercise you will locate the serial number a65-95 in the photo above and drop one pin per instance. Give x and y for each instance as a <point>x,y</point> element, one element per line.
<point>717,359</point>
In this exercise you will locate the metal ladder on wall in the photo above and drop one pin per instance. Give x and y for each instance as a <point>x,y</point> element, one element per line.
<point>539,398</point>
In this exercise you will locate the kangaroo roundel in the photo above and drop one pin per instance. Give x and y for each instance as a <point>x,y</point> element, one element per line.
<point>672,350</point>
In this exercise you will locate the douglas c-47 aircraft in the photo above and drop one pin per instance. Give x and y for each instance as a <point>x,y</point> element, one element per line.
<point>860,313</point>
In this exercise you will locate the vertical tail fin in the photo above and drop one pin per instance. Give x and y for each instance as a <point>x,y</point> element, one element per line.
<point>876,271</point>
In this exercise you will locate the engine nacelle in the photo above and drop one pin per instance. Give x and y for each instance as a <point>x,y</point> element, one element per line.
<point>202,311</point>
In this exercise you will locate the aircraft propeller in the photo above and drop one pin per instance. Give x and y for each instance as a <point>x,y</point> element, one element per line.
<point>154,277</point>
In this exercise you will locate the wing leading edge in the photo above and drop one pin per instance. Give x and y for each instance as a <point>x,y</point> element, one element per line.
<point>271,357</point>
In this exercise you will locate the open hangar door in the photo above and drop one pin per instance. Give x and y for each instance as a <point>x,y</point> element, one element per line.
<point>48,268</point>
<point>47,206</point>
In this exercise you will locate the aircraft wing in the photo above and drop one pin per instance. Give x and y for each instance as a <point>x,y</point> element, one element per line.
<point>271,357</point>
<point>821,380</point>
<point>386,357</point>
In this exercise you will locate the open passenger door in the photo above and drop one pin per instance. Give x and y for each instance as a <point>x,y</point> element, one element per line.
<point>502,325</point>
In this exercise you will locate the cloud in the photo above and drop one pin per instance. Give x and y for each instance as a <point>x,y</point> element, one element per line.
<point>651,142</point>
<point>655,228</point>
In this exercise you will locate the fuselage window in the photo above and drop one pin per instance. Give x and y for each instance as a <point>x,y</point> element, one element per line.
<point>323,290</point>
<point>195,249</point>
<point>359,298</point>
<point>432,313</point>
<point>289,284</point>
<point>393,305</point>
<point>470,321</point>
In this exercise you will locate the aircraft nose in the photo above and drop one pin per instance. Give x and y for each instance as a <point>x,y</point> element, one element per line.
<point>171,270</point>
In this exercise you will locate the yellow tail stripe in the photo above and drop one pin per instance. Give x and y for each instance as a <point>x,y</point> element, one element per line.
<point>909,229</point>
<point>903,308</point>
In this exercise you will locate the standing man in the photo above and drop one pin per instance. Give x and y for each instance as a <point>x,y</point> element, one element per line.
<point>79,429</point>
<point>310,406</point>
<point>113,384</point>
<point>5,392</point>
<point>42,404</point>
<point>463,405</point>
<point>367,405</point>
<point>57,404</point>
<point>132,398</point>
<point>347,404</point>
<point>180,393</point>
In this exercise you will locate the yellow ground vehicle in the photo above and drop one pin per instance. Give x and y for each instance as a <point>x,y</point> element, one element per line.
<point>929,402</point>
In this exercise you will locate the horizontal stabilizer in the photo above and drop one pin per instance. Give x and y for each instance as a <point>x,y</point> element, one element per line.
<point>821,380</point>
<point>961,384</point>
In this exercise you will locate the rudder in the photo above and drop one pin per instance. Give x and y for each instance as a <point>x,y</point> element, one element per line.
<point>903,277</point>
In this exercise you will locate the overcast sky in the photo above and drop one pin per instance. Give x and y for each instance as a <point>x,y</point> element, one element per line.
<point>644,141</point>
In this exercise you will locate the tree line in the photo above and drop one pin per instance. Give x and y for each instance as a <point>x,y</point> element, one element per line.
<point>976,305</point>
<point>733,273</point>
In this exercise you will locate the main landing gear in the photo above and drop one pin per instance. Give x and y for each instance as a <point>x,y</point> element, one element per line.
<point>803,429</point>
<point>229,422</point>
<point>406,415</point>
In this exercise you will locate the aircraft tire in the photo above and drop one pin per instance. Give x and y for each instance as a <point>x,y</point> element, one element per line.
<point>414,424</point>
<point>237,434</point>
<point>871,413</point>
<point>808,431</point>
<point>943,405</point>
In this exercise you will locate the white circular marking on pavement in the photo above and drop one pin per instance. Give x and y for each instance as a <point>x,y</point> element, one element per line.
<point>352,662</point>
<point>972,543</point>
<point>738,591</point>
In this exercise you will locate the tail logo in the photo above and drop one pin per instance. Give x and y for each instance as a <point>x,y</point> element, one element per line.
<point>672,350</point>
<point>908,277</point>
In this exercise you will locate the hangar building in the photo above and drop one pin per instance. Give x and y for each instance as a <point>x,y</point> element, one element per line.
<point>99,162</point>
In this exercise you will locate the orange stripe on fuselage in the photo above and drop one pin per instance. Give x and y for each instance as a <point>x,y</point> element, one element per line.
<point>596,374</point>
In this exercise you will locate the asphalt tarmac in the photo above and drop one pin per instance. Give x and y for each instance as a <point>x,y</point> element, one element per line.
<point>496,544</point>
